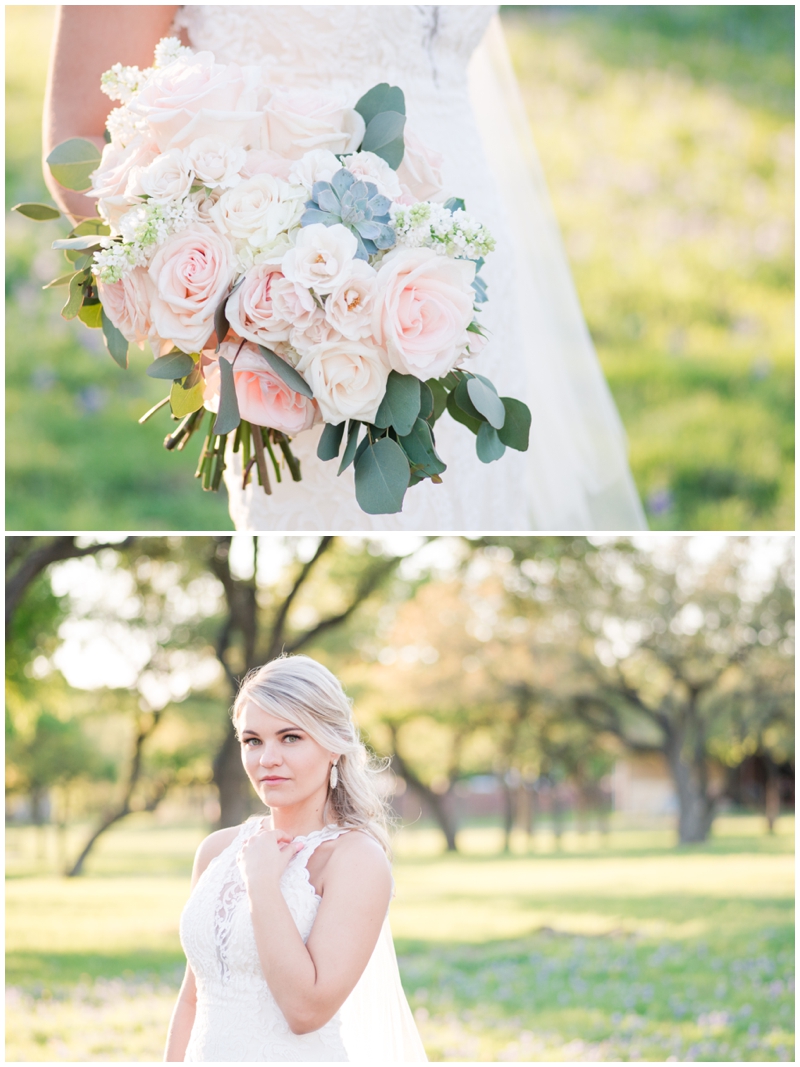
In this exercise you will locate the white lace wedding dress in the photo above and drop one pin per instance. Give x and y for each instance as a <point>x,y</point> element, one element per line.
<point>462,101</point>
<point>237,1019</point>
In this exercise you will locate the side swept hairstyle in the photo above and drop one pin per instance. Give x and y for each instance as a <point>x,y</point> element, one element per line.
<point>306,694</point>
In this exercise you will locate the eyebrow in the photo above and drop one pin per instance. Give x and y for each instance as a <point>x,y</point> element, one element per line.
<point>286,730</point>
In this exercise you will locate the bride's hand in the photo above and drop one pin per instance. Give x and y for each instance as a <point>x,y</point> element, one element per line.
<point>265,855</point>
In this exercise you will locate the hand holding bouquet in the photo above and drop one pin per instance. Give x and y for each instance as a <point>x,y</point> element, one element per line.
<point>287,260</point>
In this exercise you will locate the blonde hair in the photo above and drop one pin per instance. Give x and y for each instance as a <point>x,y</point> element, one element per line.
<point>302,691</point>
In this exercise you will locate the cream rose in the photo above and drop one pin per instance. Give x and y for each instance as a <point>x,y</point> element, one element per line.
<point>349,306</point>
<point>348,379</point>
<point>111,177</point>
<point>421,169</point>
<point>293,303</point>
<point>299,120</point>
<point>261,161</point>
<point>215,164</point>
<point>314,331</point>
<point>196,97</point>
<point>321,257</point>
<point>264,398</point>
<point>258,209</point>
<point>371,168</point>
<point>319,165</point>
<point>127,304</point>
<point>250,309</point>
<point>423,307</point>
<point>191,273</point>
<point>167,179</point>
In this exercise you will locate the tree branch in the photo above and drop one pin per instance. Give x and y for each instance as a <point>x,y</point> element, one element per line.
<point>276,637</point>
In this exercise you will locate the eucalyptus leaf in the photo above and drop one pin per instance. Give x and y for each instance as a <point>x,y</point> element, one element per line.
<point>116,344</point>
<point>78,244</point>
<point>382,477</point>
<point>330,441</point>
<point>91,315</point>
<point>221,324</point>
<point>439,394</point>
<point>455,203</point>
<point>287,372</point>
<point>65,279</point>
<point>425,401</point>
<point>37,212</point>
<point>383,97</point>
<point>382,130</point>
<point>516,429</point>
<point>487,402</point>
<point>488,445</point>
<point>400,405</point>
<point>228,417</point>
<point>419,448</point>
<point>187,396</point>
<point>174,365</point>
<point>350,448</point>
<point>72,163</point>
<point>473,425</point>
<point>75,297</point>
<point>96,226</point>
<point>464,401</point>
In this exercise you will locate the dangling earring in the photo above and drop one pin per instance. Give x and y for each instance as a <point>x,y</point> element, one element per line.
<point>334,776</point>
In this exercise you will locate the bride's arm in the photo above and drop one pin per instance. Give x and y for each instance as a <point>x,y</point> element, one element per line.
<point>310,982</point>
<point>87,41</point>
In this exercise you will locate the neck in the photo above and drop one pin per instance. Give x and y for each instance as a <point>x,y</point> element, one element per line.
<point>301,819</point>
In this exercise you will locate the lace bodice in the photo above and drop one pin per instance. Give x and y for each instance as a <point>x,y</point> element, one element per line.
<point>237,1018</point>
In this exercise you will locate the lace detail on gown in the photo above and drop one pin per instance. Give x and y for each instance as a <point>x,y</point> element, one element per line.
<point>426,51</point>
<point>237,1018</point>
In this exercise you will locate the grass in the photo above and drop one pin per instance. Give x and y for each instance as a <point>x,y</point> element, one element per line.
<point>627,950</point>
<point>666,134</point>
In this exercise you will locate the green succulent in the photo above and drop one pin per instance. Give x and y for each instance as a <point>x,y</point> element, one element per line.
<point>356,204</point>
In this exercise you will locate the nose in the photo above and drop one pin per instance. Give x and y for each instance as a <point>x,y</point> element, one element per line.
<point>271,755</point>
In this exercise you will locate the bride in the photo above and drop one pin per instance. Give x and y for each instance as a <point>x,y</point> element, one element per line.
<point>290,956</point>
<point>463,105</point>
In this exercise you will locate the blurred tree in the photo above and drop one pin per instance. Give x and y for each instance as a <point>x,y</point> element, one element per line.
<point>658,633</point>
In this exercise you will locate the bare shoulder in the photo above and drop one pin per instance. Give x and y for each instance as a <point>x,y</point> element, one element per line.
<point>210,847</point>
<point>357,855</point>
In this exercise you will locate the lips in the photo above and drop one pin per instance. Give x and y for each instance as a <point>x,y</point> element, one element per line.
<point>273,780</point>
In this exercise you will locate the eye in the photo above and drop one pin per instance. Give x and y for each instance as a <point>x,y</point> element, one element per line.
<point>292,737</point>
<point>250,741</point>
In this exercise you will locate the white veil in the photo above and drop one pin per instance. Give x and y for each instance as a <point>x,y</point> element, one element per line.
<point>377,1024</point>
<point>586,484</point>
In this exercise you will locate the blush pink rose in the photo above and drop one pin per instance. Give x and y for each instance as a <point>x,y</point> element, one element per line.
<point>191,273</point>
<point>299,120</point>
<point>294,303</point>
<point>261,161</point>
<point>197,97</point>
<point>421,169</point>
<point>127,304</point>
<point>111,177</point>
<point>250,310</point>
<point>264,399</point>
<point>422,310</point>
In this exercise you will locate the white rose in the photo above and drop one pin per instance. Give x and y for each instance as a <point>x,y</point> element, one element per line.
<point>421,169</point>
<point>293,303</point>
<point>314,331</point>
<point>215,164</point>
<point>371,168</point>
<point>261,161</point>
<point>250,309</point>
<point>319,165</point>
<point>348,308</point>
<point>348,379</point>
<point>299,120</point>
<point>321,258</point>
<point>258,209</point>
<point>167,179</point>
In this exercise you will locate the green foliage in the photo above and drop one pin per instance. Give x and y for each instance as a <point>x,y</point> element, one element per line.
<point>674,127</point>
<point>72,162</point>
<point>38,212</point>
<point>400,405</point>
<point>382,476</point>
<point>330,441</point>
<point>286,372</point>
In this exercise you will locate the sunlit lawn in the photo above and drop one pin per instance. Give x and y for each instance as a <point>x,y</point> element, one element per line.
<point>620,949</point>
<point>667,138</point>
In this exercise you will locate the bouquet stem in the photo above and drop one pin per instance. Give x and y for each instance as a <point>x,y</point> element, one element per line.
<point>268,445</point>
<point>292,461</point>
<point>179,437</point>
<point>261,460</point>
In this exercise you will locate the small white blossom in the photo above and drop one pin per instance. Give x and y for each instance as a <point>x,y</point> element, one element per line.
<point>448,233</point>
<point>143,229</point>
<point>168,50</point>
<point>123,126</point>
<point>122,83</point>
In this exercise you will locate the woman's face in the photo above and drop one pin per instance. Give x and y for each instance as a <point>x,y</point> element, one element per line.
<point>285,764</point>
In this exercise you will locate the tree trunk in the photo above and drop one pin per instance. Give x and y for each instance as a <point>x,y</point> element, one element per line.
<point>557,813</point>
<point>772,794</point>
<point>509,811</point>
<point>529,819</point>
<point>695,806</point>
<point>236,798</point>
<point>437,802</point>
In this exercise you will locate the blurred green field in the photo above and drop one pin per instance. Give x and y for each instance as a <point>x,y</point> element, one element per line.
<point>623,950</point>
<point>666,134</point>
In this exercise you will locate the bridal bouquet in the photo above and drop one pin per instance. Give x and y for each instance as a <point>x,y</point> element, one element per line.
<point>286,259</point>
